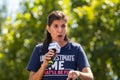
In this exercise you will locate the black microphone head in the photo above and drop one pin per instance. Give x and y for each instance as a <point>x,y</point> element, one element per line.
<point>54,46</point>
<point>54,50</point>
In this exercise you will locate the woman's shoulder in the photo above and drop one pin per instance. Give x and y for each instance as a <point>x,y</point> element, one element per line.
<point>39,45</point>
<point>75,44</point>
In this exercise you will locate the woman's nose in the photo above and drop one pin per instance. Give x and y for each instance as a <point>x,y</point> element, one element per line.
<point>59,29</point>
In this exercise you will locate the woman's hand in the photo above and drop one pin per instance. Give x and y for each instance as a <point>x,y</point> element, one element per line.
<point>47,57</point>
<point>86,74</point>
<point>73,75</point>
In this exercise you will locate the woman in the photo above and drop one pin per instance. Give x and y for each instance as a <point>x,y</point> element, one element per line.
<point>66,63</point>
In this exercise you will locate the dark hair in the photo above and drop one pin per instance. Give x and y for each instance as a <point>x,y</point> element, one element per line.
<point>55,15</point>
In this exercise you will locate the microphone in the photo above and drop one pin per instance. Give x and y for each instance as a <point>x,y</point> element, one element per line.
<point>56,48</point>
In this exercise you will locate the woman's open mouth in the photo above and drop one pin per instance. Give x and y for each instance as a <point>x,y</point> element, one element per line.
<point>60,36</point>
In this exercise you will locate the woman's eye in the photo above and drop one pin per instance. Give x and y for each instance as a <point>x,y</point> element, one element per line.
<point>63,26</point>
<point>55,26</point>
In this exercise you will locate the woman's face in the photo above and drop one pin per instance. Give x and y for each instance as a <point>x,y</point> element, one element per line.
<point>57,30</point>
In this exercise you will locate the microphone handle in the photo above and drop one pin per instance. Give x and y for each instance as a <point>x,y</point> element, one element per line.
<point>52,58</point>
<point>51,61</point>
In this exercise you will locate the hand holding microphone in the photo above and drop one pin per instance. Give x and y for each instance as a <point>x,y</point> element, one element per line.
<point>56,48</point>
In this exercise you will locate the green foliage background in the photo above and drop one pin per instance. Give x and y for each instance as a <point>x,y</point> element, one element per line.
<point>95,24</point>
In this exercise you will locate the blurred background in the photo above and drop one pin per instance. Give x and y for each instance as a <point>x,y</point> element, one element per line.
<point>95,24</point>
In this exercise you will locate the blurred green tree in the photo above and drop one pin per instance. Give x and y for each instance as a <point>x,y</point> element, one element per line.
<point>96,27</point>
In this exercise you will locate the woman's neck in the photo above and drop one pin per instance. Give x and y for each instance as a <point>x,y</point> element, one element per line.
<point>63,43</point>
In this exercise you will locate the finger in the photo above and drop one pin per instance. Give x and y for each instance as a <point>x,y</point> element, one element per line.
<point>74,77</point>
<point>51,53</point>
<point>47,57</point>
<point>51,50</point>
<point>70,74</point>
<point>71,71</point>
<point>77,73</point>
<point>68,78</point>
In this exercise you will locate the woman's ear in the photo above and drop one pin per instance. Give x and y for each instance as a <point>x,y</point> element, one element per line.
<point>48,28</point>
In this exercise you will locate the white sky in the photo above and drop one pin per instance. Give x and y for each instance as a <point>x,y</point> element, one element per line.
<point>12,5</point>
